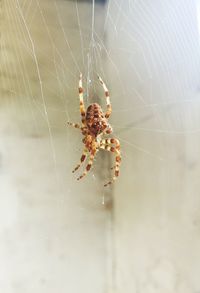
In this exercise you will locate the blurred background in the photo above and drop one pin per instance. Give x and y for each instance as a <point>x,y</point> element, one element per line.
<point>143,233</point>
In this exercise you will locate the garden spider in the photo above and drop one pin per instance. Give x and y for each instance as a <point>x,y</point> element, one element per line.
<point>94,125</point>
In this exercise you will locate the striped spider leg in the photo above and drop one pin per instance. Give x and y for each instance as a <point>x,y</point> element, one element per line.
<point>108,104</point>
<point>85,150</point>
<point>107,144</point>
<point>78,126</point>
<point>82,159</point>
<point>82,106</point>
<point>89,165</point>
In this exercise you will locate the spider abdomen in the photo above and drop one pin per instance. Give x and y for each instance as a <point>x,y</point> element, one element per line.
<point>95,119</point>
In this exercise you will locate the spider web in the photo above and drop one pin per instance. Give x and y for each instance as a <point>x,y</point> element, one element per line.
<point>147,54</point>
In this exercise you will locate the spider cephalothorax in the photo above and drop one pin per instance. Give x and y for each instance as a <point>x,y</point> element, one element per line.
<point>94,125</point>
<point>90,142</point>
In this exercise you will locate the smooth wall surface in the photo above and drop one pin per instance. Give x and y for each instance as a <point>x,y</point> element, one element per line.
<point>60,235</point>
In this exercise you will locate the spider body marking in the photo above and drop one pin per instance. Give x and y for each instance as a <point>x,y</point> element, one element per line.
<point>95,119</point>
<point>94,125</point>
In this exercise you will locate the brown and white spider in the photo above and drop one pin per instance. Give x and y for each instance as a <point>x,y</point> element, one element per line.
<point>94,125</point>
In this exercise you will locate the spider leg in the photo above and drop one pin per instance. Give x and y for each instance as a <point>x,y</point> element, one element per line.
<point>76,125</point>
<point>89,165</point>
<point>106,144</point>
<point>109,129</point>
<point>82,106</point>
<point>83,157</point>
<point>83,129</point>
<point>108,104</point>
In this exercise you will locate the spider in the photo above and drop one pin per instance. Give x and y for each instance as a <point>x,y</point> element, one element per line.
<point>94,124</point>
